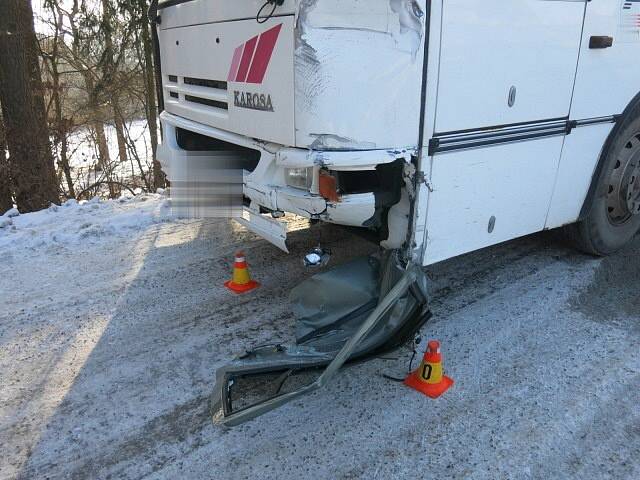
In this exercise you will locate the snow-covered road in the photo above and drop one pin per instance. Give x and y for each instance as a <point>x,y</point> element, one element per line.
<point>113,320</point>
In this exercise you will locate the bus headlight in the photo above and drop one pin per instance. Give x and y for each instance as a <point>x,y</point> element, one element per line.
<point>299,177</point>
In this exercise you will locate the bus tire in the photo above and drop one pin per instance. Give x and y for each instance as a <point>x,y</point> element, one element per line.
<point>613,218</point>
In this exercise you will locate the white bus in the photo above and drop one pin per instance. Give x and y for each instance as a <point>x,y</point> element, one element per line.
<point>444,126</point>
<point>475,121</point>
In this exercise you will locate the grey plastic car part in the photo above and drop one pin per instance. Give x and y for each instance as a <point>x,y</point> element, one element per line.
<point>352,312</point>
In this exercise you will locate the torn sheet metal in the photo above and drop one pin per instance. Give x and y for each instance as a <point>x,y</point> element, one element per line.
<point>339,159</point>
<point>367,55</point>
<point>353,312</point>
<point>410,15</point>
<point>324,141</point>
<point>353,209</point>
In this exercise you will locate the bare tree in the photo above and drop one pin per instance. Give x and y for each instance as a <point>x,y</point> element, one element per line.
<point>159,178</point>
<point>109,69</point>
<point>99,71</point>
<point>23,109</point>
<point>79,58</point>
<point>137,12</point>
<point>61,125</point>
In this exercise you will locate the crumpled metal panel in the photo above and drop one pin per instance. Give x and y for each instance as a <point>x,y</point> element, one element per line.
<point>380,73</point>
<point>329,297</point>
<point>352,312</point>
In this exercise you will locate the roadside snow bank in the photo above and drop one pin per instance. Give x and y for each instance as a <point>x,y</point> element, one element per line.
<point>75,222</point>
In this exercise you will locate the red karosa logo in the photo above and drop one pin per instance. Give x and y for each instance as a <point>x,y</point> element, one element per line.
<point>251,59</point>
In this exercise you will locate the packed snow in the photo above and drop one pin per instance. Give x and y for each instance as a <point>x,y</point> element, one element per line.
<point>85,221</point>
<point>114,318</point>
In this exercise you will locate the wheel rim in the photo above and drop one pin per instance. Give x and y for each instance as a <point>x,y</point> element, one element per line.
<point>623,195</point>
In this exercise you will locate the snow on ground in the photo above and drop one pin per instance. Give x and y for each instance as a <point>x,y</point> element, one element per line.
<point>87,222</point>
<point>114,319</point>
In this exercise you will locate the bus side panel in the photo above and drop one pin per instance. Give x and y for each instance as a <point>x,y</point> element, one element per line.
<point>505,82</point>
<point>511,183</point>
<point>580,156</point>
<point>608,78</point>
<point>492,46</point>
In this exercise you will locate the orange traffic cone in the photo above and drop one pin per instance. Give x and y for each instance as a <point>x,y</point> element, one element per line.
<point>241,281</point>
<point>429,378</point>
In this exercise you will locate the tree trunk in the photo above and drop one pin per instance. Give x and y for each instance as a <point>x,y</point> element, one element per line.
<point>119,126</point>
<point>159,178</point>
<point>104,160</point>
<point>64,161</point>
<point>62,124</point>
<point>21,95</point>
<point>103,147</point>
<point>6,201</point>
<point>108,79</point>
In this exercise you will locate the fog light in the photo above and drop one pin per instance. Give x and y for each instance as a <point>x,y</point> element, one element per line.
<point>299,177</point>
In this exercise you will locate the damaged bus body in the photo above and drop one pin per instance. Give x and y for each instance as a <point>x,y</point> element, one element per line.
<point>442,126</point>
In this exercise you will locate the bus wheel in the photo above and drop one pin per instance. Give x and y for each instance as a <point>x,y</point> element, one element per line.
<point>614,217</point>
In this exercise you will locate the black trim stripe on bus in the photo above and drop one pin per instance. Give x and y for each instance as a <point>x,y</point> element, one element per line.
<point>423,85</point>
<point>509,133</point>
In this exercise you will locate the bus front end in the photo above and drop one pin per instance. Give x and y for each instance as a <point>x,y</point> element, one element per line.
<point>317,102</point>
